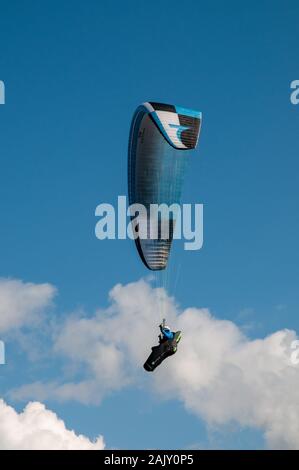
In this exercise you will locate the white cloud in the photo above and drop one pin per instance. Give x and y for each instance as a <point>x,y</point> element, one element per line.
<point>37,428</point>
<point>109,346</point>
<point>222,376</point>
<point>22,303</point>
<point>218,373</point>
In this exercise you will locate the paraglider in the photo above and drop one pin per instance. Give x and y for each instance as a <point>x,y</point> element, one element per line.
<point>160,137</point>
<point>168,342</point>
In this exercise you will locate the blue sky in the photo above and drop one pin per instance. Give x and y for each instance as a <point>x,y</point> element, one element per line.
<point>74,73</point>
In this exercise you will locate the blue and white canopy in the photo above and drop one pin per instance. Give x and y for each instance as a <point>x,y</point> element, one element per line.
<point>159,137</point>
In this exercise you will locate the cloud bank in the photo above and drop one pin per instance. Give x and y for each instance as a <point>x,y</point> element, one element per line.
<point>24,305</point>
<point>37,428</point>
<point>218,373</point>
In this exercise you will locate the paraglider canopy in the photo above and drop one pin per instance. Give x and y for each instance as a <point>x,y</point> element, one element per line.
<point>160,135</point>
